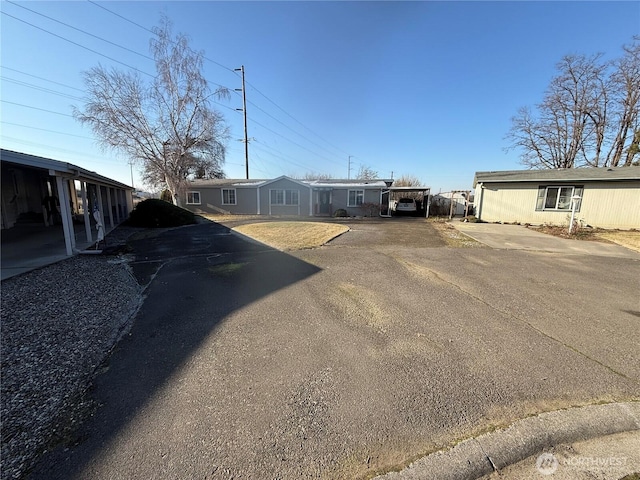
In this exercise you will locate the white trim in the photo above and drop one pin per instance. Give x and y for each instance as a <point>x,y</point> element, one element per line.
<point>284,197</point>
<point>258,199</point>
<point>356,198</point>
<point>199,202</point>
<point>67,226</point>
<point>556,209</point>
<point>85,210</point>
<point>235,196</point>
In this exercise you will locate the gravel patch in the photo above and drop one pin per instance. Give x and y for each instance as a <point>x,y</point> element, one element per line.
<point>58,324</point>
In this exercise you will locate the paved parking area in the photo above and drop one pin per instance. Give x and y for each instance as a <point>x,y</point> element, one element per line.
<point>517,237</point>
<point>350,359</point>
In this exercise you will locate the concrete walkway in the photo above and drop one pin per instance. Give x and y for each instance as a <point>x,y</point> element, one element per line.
<point>517,237</point>
<point>596,441</point>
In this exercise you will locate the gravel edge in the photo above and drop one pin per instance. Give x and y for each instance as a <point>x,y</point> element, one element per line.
<point>58,325</point>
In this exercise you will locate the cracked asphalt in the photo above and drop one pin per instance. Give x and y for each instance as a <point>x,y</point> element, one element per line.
<point>348,360</point>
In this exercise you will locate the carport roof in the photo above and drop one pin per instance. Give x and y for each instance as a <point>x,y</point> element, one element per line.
<point>559,175</point>
<point>63,168</point>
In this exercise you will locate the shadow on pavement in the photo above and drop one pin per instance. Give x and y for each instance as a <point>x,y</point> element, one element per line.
<point>196,277</point>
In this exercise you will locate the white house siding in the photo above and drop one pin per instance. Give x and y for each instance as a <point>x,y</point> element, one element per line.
<point>604,204</point>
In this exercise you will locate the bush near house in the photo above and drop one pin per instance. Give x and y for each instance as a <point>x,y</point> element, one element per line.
<point>155,213</point>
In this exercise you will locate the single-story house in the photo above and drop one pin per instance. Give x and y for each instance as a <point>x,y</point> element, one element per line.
<point>287,196</point>
<point>43,192</point>
<point>608,197</point>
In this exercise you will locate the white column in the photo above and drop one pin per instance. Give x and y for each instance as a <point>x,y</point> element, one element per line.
<point>65,213</point>
<point>85,211</point>
<point>258,199</point>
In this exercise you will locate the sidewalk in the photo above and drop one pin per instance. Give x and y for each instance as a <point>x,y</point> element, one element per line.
<point>604,458</point>
<point>517,237</point>
<point>592,442</point>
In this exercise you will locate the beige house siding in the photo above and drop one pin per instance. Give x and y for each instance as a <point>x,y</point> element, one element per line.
<point>604,204</point>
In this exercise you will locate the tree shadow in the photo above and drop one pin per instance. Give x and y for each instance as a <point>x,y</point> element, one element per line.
<point>196,276</point>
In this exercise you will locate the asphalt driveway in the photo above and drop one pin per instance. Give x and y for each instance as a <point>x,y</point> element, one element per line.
<point>346,360</point>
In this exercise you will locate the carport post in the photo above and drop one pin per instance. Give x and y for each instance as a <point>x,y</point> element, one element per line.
<point>108,189</point>
<point>65,214</point>
<point>85,211</point>
<point>428,197</point>
<point>100,205</point>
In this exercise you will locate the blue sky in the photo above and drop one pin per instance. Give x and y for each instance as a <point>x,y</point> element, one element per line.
<point>420,88</point>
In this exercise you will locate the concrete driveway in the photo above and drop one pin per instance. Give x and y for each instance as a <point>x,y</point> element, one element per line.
<point>517,237</point>
<point>347,360</point>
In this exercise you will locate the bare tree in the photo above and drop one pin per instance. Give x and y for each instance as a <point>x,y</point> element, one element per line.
<point>168,125</point>
<point>316,176</point>
<point>588,116</point>
<point>626,91</point>
<point>407,181</point>
<point>366,173</point>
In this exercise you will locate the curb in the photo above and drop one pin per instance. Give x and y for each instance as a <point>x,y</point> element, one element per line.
<point>487,453</point>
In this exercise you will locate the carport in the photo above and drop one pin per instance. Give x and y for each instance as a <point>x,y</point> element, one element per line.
<point>388,197</point>
<point>47,209</point>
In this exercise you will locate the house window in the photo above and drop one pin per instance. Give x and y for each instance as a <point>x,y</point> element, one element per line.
<point>285,197</point>
<point>193,198</point>
<point>557,197</point>
<point>228,196</point>
<point>356,198</point>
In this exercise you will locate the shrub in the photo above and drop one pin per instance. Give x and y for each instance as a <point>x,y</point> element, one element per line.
<point>154,213</point>
<point>341,212</point>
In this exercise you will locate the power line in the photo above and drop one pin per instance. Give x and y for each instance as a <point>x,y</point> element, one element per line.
<point>76,44</point>
<point>249,83</point>
<point>294,131</point>
<point>45,130</point>
<point>42,78</point>
<point>289,140</point>
<point>81,31</point>
<point>36,108</point>
<point>37,87</point>
<point>152,32</point>
<point>295,119</point>
<point>49,147</point>
<point>145,73</point>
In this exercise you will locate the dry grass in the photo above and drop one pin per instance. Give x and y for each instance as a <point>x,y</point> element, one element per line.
<point>451,235</point>
<point>292,235</point>
<point>630,239</point>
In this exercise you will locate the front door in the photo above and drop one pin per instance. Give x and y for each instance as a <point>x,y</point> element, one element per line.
<point>324,202</point>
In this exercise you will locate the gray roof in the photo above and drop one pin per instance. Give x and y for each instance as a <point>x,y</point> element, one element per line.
<point>559,175</point>
<point>64,168</point>
<point>231,182</point>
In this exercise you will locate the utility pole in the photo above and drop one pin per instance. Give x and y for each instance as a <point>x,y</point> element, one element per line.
<point>244,111</point>
<point>349,170</point>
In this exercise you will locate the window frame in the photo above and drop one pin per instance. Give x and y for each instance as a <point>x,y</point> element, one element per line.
<point>543,197</point>
<point>235,196</point>
<point>191,193</point>
<point>284,197</point>
<point>358,193</point>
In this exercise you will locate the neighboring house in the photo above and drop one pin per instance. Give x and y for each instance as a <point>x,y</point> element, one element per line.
<point>38,191</point>
<point>286,196</point>
<point>609,197</point>
<point>441,203</point>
